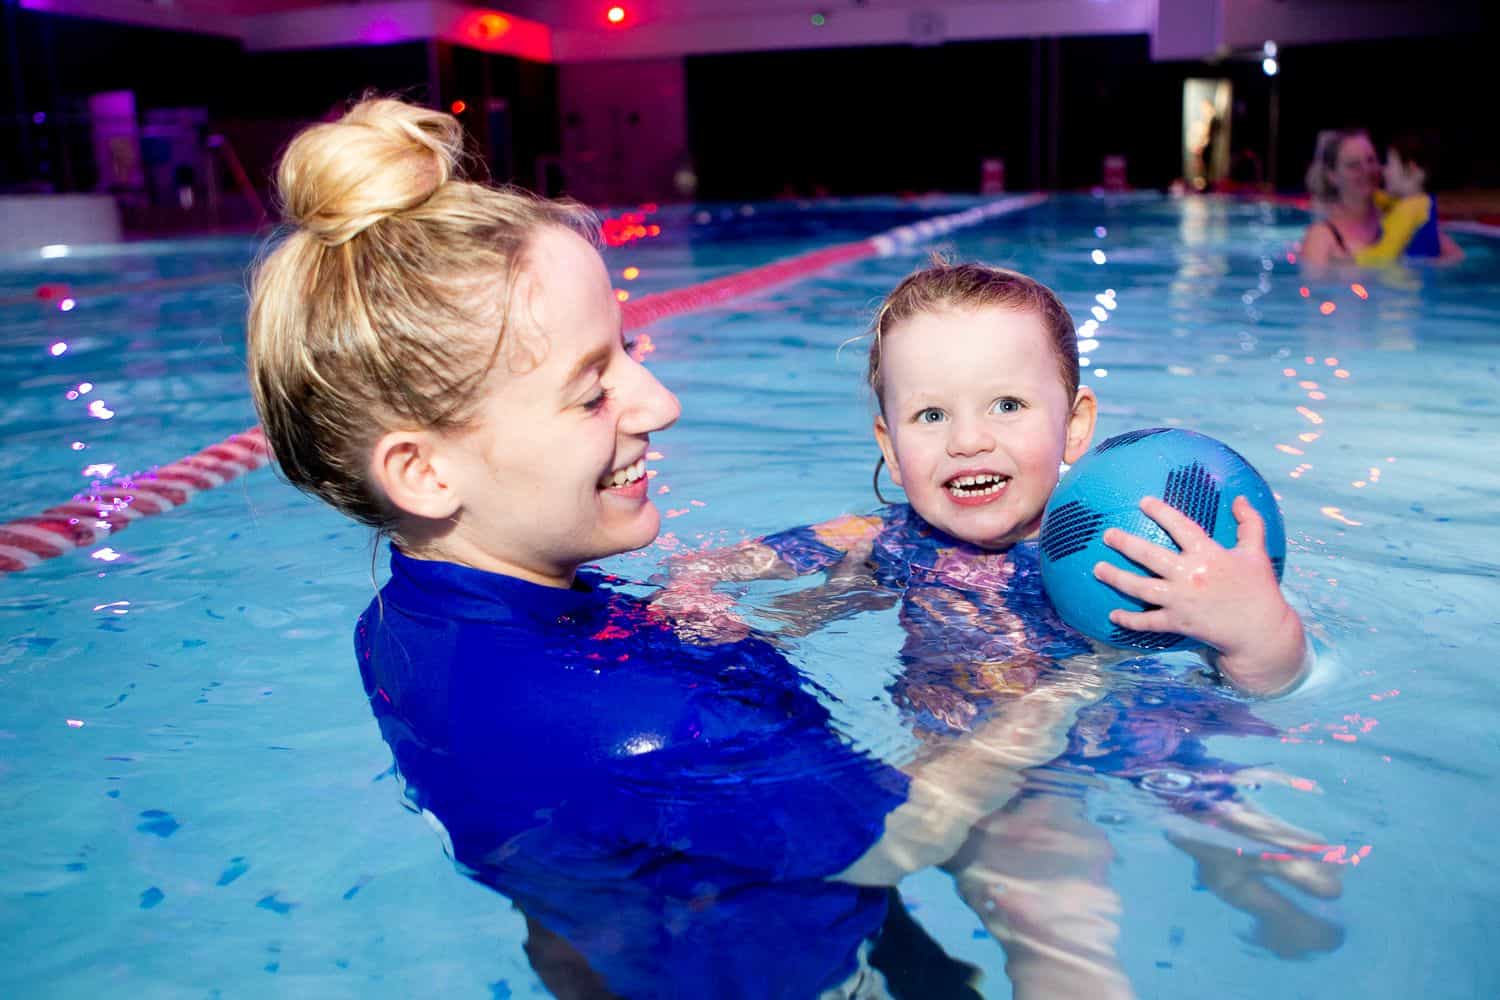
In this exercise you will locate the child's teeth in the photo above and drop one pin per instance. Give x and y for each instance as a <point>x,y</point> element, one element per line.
<point>975,486</point>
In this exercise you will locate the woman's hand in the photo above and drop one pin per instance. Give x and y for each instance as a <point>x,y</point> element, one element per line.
<point>699,614</point>
<point>1227,598</point>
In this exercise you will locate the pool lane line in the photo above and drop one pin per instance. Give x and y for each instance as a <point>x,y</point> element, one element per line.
<point>90,518</point>
<point>1472,227</point>
<point>59,288</point>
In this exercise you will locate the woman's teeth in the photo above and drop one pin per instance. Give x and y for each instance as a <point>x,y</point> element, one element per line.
<point>977,486</point>
<point>624,477</point>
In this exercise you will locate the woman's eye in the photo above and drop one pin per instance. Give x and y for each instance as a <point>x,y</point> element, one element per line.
<point>931,415</point>
<point>597,403</point>
<point>1007,405</point>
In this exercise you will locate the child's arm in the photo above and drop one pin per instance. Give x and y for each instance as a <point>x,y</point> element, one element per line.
<point>1397,228</point>
<point>1227,598</point>
<point>955,783</point>
<point>1036,874</point>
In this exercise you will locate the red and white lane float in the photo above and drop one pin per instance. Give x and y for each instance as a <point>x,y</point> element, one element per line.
<point>90,518</point>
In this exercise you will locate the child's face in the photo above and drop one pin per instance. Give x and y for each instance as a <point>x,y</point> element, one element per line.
<point>552,472</point>
<point>1402,179</point>
<point>977,420</point>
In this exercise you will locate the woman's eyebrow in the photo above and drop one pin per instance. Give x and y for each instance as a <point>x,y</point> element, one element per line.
<point>597,358</point>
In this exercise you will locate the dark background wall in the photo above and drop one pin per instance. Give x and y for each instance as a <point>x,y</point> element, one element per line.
<point>901,118</point>
<point>257,99</point>
<point>848,121</point>
<point>858,121</point>
<point>1446,85</point>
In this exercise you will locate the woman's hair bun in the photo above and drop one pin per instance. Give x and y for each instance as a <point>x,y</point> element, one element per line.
<point>382,157</point>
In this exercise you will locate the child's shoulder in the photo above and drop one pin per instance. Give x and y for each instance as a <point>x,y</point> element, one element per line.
<point>850,530</point>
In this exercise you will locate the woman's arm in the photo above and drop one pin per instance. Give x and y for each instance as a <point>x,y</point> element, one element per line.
<point>1318,246</point>
<point>839,547</point>
<point>1451,251</point>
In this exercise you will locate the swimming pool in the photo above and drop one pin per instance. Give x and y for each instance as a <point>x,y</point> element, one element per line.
<point>198,802</point>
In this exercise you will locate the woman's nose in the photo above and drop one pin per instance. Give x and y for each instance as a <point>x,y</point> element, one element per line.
<point>651,406</point>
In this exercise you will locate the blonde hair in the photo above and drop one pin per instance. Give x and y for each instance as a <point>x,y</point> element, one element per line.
<point>383,302</point>
<point>1320,183</point>
<point>942,286</point>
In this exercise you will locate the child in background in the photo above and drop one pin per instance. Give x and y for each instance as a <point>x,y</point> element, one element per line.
<point>975,374</point>
<point>443,361</point>
<point>1409,227</point>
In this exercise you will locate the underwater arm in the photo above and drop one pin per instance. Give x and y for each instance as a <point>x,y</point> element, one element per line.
<point>840,548</point>
<point>960,781</point>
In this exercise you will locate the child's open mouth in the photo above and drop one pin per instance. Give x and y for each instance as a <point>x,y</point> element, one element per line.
<point>976,489</point>
<point>627,479</point>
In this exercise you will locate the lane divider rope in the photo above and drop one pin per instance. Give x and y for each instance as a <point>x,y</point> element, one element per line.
<point>90,518</point>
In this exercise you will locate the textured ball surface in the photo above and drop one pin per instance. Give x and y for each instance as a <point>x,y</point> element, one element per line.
<point>1194,473</point>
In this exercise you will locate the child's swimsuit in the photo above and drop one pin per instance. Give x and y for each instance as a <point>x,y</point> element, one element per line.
<point>672,811</point>
<point>1424,242</point>
<point>979,623</point>
<point>1408,228</point>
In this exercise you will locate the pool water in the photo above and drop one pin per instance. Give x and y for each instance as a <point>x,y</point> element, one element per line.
<point>197,800</point>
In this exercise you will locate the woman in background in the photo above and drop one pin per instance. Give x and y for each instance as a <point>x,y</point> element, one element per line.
<point>1343,179</point>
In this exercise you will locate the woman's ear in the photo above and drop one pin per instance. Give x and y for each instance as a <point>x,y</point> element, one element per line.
<point>406,466</point>
<point>1081,424</point>
<point>888,449</point>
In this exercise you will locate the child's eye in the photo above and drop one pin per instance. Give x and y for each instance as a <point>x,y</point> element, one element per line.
<point>597,403</point>
<point>630,346</point>
<point>931,415</point>
<point>1007,405</point>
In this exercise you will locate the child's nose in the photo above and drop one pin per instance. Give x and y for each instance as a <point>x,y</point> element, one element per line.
<point>970,437</point>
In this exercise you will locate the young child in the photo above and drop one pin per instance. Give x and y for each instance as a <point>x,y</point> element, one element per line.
<point>443,361</point>
<point>975,375</point>
<point>1409,225</point>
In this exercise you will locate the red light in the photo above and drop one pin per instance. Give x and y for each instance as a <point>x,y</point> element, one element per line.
<point>491,25</point>
<point>458,107</point>
<point>616,15</point>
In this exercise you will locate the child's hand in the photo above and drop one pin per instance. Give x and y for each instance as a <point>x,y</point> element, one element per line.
<point>1227,598</point>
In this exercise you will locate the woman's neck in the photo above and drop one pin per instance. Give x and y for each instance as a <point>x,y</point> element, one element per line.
<point>1353,209</point>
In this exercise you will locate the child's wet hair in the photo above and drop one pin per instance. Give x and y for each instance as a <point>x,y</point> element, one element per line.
<point>947,287</point>
<point>383,303</point>
<point>1417,149</point>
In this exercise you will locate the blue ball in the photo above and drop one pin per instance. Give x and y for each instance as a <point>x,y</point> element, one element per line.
<point>1197,474</point>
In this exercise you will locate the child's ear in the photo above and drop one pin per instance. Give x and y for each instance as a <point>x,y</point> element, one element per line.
<point>1081,424</point>
<point>883,437</point>
<point>405,466</point>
